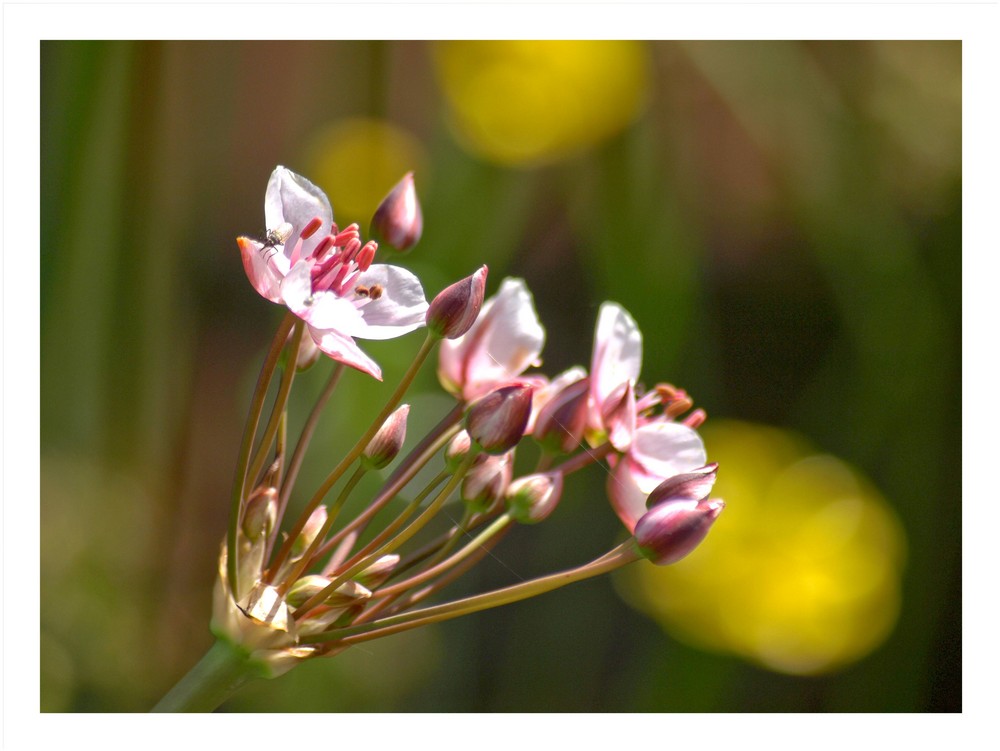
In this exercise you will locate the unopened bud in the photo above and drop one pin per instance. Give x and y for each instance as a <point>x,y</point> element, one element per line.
<point>261,514</point>
<point>498,420</point>
<point>312,528</point>
<point>376,574</point>
<point>456,307</point>
<point>561,423</point>
<point>670,530</point>
<point>457,449</point>
<point>309,586</point>
<point>387,442</point>
<point>689,486</point>
<point>486,483</point>
<point>532,498</point>
<point>398,221</point>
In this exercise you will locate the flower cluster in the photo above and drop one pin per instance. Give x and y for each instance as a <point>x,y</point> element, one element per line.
<point>289,592</point>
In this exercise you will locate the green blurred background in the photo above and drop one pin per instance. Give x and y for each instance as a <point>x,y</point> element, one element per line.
<point>781,218</point>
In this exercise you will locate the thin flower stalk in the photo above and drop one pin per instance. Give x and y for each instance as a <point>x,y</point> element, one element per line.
<point>280,403</point>
<point>239,489</point>
<point>359,447</point>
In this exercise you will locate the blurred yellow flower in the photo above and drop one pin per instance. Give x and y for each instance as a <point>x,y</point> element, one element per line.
<point>801,575</point>
<point>528,102</point>
<point>358,161</point>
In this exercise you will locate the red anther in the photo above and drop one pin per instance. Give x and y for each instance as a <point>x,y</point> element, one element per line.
<point>695,419</point>
<point>679,406</point>
<point>312,228</point>
<point>666,391</point>
<point>347,234</point>
<point>351,249</point>
<point>324,245</point>
<point>366,255</point>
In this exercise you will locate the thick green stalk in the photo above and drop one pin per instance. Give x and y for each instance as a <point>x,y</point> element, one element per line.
<point>224,669</point>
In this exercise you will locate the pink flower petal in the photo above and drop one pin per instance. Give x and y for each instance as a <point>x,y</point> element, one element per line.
<point>343,349</point>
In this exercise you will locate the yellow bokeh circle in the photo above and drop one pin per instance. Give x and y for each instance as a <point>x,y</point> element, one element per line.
<point>528,102</point>
<point>801,573</point>
<point>357,162</point>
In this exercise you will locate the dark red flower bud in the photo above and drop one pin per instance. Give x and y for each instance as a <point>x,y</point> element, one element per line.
<point>670,530</point>
<point>561,423</point>
<point>456,307</point>
<point>689,486</point>
<point>498,420</point>
<point>398,221</point>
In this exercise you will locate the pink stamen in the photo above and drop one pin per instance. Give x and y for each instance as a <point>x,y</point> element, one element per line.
<point>325,280</point>
<point>345,236</point>
<point>695,419</point>
<point>349,284</point>
<point>337,284</point>
<point>366,255</point>
<point>325,244</point>
<point>296,251</point>
<point>352,248</point>
<point>311,228</point>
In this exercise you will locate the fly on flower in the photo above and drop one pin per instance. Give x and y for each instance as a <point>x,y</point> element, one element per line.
<point>275,237</point>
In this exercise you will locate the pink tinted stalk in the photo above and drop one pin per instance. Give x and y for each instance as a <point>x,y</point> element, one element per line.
<point>249,432</point>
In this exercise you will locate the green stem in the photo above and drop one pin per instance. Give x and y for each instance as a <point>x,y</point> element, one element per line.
<point>216,677</point>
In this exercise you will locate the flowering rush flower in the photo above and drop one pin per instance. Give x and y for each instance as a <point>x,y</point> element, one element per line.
<point>320,583</point>
<point>326,276</point>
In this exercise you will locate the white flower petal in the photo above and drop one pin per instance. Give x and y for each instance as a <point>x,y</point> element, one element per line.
<point>617,352</point>
<point>664,449</point>
<point>505,340</point>
<point>293,199</point>
<point>322,310</point>
<point>401,308</point>
<point>627,498</point>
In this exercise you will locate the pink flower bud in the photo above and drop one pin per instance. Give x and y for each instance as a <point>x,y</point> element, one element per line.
<point>672,529</point>
<point>498,420</point>
<point>485,484</point>
<point>398,221</point>
<point>689,486</point>
<point>532,498</point>
<point>561,423</point>
<point>387,442</point>
<point>456,307</point>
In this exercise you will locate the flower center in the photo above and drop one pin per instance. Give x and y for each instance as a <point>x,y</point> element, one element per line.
<point>339,260</point>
